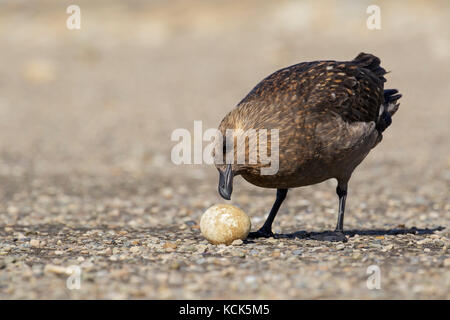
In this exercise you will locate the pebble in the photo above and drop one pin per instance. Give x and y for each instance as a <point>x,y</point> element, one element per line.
<point>240,254</point>
<point>135,249</point>
<point>447,262</point>
<point>114,258</point>
<point>170,246</point>
<point>250,279</point>
<point>275,254</point>
<point>357,255</point>
<point>175,265</point>
<point>201,248</point>
<point>49,268</point>
<point>34,243</point>
<point>237,242</point>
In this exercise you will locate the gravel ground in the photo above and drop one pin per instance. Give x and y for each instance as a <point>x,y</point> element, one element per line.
<point>85,172</point>
<point>140,241</point>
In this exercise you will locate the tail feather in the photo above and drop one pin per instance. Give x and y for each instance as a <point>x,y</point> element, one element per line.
<point>372,63</point>
<point>388,109</point>
<point>391,96</point>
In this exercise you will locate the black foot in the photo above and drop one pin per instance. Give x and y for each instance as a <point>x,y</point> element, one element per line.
<point>335,236</point>
<point>261,233</point>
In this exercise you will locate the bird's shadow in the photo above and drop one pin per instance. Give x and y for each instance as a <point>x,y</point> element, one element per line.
<point>368,232</point>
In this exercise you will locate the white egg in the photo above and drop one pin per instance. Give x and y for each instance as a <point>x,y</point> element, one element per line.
<point>224,223</point>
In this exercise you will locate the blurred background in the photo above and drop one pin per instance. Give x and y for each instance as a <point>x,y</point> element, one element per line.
<point>86,118</point>
<point>108,96</point>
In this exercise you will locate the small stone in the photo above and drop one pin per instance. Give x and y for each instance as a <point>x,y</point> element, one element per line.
<point>49,268</point>
<point>340,246</point>
<point>37,270</point>
<point>34,243</point>
<point>190,248</point>
<point>239,254</point>
<point>134,249</point>
<point>297,252</point>
<point>21,236</point>
<point>12,210</point>
<point>275,254</point>
<point>170,246</point>
<point>423,241</point>
<point>228,271</point>
<point>167,193</point>
<point>357,255</point>
<point>447,262</point>
<point>120,273</point>
<point>237,242</point>
<point>191,223</point>
<point>201,248</point>
<point>250,279</point>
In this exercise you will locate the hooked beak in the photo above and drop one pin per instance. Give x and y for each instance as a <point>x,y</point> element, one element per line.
<point>226,182</point>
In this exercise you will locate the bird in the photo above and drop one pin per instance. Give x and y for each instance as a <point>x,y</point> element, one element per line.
<point>328,114</point>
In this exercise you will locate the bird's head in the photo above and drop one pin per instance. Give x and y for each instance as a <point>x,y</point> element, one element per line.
<point>225,162</point>
<point>235,152</point>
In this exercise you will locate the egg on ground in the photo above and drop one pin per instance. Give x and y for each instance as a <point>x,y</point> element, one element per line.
<point>224,223</point>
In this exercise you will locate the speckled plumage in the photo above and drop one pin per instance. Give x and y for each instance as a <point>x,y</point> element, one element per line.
<point>326,113</point>
<point>329,115</point>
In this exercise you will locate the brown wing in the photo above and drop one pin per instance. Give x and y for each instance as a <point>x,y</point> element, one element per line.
<point>352,89</point>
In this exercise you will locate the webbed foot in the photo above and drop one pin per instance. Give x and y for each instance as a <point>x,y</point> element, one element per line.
<point>261,233</point>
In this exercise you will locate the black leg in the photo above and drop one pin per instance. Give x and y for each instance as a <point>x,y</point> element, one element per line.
<point>342,194</point>
<point>266,229</point>
<point>338,234</point>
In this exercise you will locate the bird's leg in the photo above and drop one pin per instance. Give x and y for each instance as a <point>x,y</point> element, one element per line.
<point>338,234</point>
<point>342,194</point>
<point>266,230</point>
